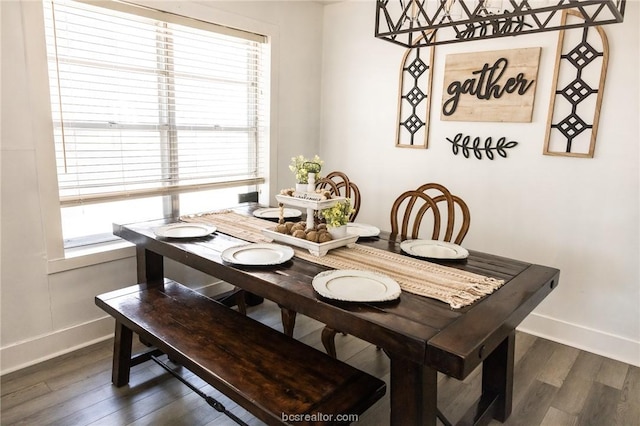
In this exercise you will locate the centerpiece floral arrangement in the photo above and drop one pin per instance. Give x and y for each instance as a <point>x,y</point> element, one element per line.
<point>302,166</point>
<point>338,215</point>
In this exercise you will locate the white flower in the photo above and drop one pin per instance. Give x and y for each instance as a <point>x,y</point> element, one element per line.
<point>301,167</point>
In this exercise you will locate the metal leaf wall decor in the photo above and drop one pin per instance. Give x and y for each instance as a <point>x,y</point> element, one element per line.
<point>574,110</point>
<point>475,146</point>
<point>414,98</point>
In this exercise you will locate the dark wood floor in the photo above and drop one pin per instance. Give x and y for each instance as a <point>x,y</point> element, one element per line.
<point>555,385</point>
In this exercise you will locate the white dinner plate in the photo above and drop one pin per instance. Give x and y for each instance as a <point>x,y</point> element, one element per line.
<point>184,230</point>
<point>433,249</point>
<point>258,254</point>
<point>356,286</point>
<point>362,230</point>
<point>274,213</point>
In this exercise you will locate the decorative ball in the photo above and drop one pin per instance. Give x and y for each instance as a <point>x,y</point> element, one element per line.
<point>296,227</point>
<point>325,236</point>
<point>299,234</point>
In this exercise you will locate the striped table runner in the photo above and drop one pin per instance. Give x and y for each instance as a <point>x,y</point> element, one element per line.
<point>453,286</point>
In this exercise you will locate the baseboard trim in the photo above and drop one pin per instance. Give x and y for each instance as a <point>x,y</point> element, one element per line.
<point>42,348</point>
<point>584,338</point>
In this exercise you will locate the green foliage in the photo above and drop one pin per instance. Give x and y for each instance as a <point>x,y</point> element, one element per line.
<point>338,215</point>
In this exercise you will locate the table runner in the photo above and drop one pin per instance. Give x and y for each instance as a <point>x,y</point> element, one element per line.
<point>453,286</point>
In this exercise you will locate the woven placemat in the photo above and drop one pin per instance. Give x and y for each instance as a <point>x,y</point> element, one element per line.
<point>453,286</point>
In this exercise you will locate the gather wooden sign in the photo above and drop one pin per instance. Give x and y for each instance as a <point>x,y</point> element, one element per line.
<point>497,85</point>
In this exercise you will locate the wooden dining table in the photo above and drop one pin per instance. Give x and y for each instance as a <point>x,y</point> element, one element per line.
<point>422,336</point>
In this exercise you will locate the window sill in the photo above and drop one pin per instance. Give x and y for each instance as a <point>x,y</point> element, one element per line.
<point>95,254</point>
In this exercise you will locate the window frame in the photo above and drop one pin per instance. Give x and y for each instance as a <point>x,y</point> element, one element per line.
<point>171,196</point>
<point>59,259</point>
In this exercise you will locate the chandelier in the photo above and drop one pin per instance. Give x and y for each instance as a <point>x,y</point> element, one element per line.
<point>415,23</point>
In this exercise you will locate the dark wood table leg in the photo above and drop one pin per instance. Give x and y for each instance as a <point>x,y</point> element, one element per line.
<point>497,376</point>
<point>121,355</point>
<point>150,271</point>
<point>150,266</point>
<point>414,393</point>
<point>497,386</point>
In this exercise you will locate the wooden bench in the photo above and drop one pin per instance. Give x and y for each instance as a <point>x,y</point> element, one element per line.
<point>264,371</point>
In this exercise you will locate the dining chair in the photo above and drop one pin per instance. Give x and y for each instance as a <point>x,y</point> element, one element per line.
<point>338,184</point>
<point>432,204</point>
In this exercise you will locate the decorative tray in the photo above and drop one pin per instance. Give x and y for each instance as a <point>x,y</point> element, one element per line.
<point>308,203</point>
<point>316,249</point>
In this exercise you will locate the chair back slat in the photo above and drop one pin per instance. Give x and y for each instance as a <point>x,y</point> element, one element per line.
<point>434,201</point>
<point>338,184</point>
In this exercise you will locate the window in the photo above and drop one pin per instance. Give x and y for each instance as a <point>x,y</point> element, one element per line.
<point>148,108</point>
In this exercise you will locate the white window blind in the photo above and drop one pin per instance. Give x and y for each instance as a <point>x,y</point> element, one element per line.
<point>149,103</point>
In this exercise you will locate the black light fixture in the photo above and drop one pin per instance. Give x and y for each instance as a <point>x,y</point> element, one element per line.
<point>415,23</point>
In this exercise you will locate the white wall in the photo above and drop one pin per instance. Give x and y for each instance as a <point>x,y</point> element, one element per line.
<point>578,215</point>
<point>575,214</point>
<point>47,305</point>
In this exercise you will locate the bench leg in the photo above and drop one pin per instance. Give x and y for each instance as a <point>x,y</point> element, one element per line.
<point>121,355</point>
